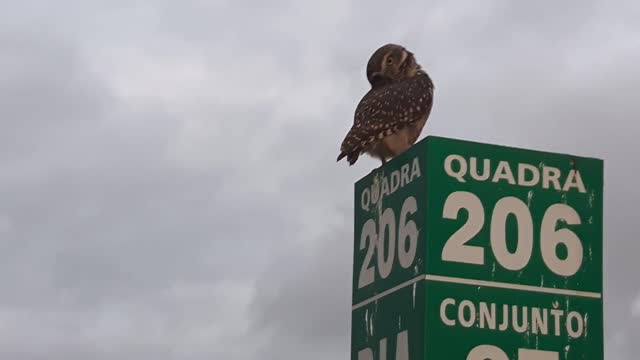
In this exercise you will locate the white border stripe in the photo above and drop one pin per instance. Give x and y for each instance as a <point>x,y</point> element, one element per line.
<point>513,286</point>
<point>387,292</point>
<point>474,282</point>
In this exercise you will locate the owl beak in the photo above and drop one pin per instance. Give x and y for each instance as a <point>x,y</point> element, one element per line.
<point>375,75</point>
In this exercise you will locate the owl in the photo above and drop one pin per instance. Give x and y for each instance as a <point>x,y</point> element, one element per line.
<point>392,114</point>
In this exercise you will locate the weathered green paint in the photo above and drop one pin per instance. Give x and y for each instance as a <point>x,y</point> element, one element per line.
<point>588,205</point>
<point>455,342</point>
<point>400,311</point>
<point>416,188</point>
<point>408,294</point>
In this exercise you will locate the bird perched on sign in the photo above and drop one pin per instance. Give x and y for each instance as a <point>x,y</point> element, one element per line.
<point>392,114</point>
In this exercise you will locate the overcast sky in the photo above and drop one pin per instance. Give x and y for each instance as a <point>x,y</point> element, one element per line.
<point>169,190</point>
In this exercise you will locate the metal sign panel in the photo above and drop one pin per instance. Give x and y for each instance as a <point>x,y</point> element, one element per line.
<point>476,251</point>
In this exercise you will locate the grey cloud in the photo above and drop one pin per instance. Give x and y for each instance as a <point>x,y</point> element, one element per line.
<point>303,300</point>
<point>45,89</point>
<point>99,221</point>
<point>169,186</point>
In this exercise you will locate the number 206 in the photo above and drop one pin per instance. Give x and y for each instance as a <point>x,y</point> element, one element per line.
<point>407,242</point>
<point>456,249</point>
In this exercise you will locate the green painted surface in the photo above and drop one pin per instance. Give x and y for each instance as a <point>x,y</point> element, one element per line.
<point>382,195</point>
<point>528,235</point>
<point>378,325</point>
<point>446,341</point>
<point>537,199</point>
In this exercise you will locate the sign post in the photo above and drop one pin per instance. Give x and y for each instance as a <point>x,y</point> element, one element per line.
<point>470,251</point>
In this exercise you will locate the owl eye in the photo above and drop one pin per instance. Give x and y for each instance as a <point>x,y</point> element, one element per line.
<point>389,61</point>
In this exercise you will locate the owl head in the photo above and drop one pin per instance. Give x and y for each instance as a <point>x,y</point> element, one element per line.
<point>389,63</point>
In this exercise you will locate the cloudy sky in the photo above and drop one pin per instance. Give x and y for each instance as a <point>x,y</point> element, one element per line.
<point>169,189</point>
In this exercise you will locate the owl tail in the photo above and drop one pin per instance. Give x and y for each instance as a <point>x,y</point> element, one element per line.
<point>351,158</point>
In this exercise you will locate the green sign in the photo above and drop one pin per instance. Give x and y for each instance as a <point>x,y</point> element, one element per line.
<point>474,251</point>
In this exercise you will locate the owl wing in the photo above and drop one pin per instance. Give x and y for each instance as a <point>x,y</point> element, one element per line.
<point>385,110</point>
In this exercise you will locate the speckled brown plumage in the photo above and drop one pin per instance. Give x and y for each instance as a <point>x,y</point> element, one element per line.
<point>391,115</point>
